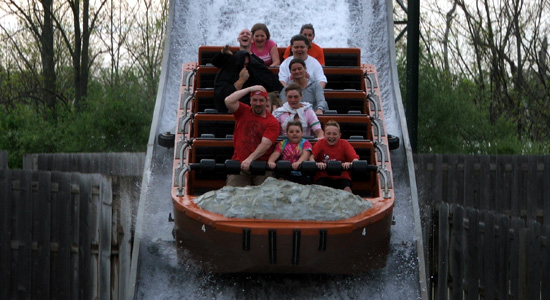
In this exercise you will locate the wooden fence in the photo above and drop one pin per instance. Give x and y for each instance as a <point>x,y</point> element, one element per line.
<point>482,255</point>
<point>514,187</point>
<point>67,235</point>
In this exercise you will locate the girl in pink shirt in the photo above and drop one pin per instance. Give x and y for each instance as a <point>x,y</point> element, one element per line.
<point>263,47</point>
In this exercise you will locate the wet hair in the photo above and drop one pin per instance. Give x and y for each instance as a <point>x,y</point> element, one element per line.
<point>294,123</point>
<point>307,26</point>
<point>262,27</point>
<point>293,87</point>
<point>300,37</point>
<point>274,99</point>
<point>297,61</point>
<point>332,123</point>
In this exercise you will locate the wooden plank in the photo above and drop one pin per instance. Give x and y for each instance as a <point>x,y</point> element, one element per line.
<point>41,223</point>
<point>59,236</point>
<point>522,185</point>
<point>442,288</point>
<point>487,179</point>
<point>504,184</point>
<point>546,190</point>
<point>105,225</point>
<point>489,251</point>
<point>516,262</point>
<point>502,268</point>
<point>471,181</point>
<point>21,238</point>
<point>438,183</point>
<point>472,268</point>
<point>74,232</point>
<point>453,176</point>
<point>84,247</point>
<point>532,186</point>
<point>5,232</point>
<point>116,190</point>
<point>457,257</point>
<point>125,243</point>
<point>94,221</point>
<point>545,262</point>
<point>533,260</point>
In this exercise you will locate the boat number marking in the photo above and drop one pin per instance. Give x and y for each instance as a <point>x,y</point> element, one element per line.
<point>364,231</point>
<point>203,228</point>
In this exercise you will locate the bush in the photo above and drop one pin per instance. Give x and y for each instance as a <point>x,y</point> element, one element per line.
<point>113,119</point>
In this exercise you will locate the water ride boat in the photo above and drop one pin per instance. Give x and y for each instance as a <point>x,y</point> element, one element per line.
<point>202,152</point>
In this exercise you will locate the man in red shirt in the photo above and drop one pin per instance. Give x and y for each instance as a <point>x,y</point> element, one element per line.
<point>255,133</point>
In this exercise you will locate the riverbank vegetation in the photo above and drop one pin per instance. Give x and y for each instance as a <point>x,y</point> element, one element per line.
<point>78,75</point>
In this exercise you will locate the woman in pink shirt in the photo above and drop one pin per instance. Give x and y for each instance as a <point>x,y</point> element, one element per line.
<point>295,110</point>
<point>263,47</point>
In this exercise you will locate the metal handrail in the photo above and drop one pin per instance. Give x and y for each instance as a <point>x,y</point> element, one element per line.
<point>378,146</point>
<point>188,87</point>
<point>180,180</point>
<point>185,146</point>
<point>370,81</point>
<point>387,193</point>
<point>378,129</point>
<point>186,104</point>
<point>375,104</point>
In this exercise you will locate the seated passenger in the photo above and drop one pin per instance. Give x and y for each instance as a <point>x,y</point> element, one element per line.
<point>241,71</point>
<point>315,51</point>
<point>244,39</point>
<point>295,110</point>
<point>299,45</point>
<point>312,90</point>
<point>263,46</point>
<point>293,148</point>
<point>333,148</point>
<point>256,130</point>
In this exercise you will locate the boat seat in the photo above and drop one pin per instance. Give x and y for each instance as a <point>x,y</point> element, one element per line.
<point>340,57</point>
<point>206,53</point>
<point>205,77</point>
<point>349,78</point>
<point>342,102</point>
<point>204,100</point>
<point>218,149</point>
<point>219,125</point>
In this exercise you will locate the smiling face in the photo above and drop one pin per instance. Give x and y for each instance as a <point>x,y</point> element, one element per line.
<point>299,49</point>
<point>293,98</point>
<point>258,104</point>
<point>245,38</point>
<point>259,37</point>
<point>294,134</point>
<point>309,34</point>
<point>297,70</point>
<point>332,135</point>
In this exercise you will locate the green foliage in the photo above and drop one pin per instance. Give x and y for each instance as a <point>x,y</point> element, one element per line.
<point>114,119</point>
<point>453,117</point>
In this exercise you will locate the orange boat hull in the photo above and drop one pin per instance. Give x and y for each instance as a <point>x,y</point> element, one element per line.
<point>284,250</point>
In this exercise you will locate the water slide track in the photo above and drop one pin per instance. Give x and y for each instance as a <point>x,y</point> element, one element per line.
<point>156,273</point>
